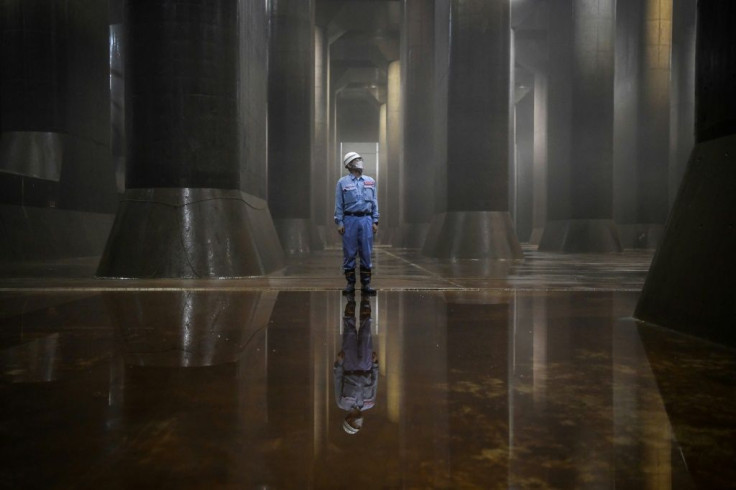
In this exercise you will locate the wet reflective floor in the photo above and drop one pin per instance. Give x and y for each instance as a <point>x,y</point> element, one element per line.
<point>496,375</point>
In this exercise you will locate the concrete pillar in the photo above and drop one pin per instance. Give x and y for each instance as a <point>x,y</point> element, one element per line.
<point>290,122</point>
<point>417,169</point>
<point>539,193</point>
<point>477,223</point>
<point>117,94</point>
<point>441,69</point>
<point>580,166</point>
<point>391,208</point>
<point>682,91</point>
<point>334,164</point>
<point>629,15</point>
<point>322,197</point>
<point>382,237</point>
<point>522,205</point>
<point>35,100</point>
<point>654,117</point>
<point>183,213</point>
<point>690,283</point>
<point>253,84</point>
<point>57,184</point>
<point>642,120</point>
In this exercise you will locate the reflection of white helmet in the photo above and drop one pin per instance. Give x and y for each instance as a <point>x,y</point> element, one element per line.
<point>352,425</point>
<point>351,157</point>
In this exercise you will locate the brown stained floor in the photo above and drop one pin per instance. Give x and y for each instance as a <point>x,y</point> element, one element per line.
<point>526,375</point>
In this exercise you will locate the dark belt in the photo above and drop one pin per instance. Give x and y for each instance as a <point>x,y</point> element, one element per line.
<point>362,213</point>
<point>358,373</point>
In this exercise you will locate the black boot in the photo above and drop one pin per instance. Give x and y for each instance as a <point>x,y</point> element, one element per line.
<point>365,281</point>
<point>365,309</point>
<point>350,308</point>
<point>350,288</point>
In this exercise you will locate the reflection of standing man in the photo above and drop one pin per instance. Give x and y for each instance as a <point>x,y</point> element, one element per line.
<point>356,216</point>
<point>356,367</point>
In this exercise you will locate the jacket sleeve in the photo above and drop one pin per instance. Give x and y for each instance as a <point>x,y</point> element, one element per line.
<point>338,371</point>
<point>375,215</point>
<point>374,381</point>
<point>338,204</point>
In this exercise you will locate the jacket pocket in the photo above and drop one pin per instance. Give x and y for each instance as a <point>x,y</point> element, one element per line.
<point>369,193</point>
<point>350,195</point>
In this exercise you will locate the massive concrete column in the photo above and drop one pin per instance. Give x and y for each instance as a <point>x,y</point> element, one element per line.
<point>690,286</point>
<point>290,122</point>
<point>477,223</point>
<point>654,117</point>
<point>322,198</point>
<point>648,135</point>
<point>642,120</point>
<point>417,172</point>
<point>34,102</point>
<point>441,69</point>
<point>580,177</point>
<point>183,213</point>
<point>391,208</point>
<point>539,193</point>
<point>57,185</point>
<point>629,22</point>
<point>334,162</point>
<point>682,91</point>
<point>522,205</point>
<point>383,164</point>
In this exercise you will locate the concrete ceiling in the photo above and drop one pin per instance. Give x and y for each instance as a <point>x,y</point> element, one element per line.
<point>364,39</point>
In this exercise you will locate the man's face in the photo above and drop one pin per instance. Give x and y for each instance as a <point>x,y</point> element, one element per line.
<point>356,165</point>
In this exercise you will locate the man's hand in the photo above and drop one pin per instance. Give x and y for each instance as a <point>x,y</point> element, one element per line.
<point>374,356</point>
<point>375,228</point>
<point>340,355</point>
<point>341,230</point>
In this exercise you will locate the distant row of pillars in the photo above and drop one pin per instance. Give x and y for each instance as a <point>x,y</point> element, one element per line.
<point>451,200</point>
<point>648,134</point>
<point>578,200</point>
<point>574,152</point>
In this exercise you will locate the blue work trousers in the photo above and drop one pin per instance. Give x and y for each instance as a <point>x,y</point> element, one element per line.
<point>358,239</point>
<point>357,345</point>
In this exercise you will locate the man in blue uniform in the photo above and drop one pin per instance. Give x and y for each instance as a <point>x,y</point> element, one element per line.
<point>356,217</point>
<point>356,367</point>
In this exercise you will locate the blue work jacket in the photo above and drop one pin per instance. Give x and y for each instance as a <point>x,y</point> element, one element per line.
<point>356,195</point>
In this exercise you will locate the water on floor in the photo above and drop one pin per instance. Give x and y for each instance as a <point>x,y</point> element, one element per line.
<point>528,375</point>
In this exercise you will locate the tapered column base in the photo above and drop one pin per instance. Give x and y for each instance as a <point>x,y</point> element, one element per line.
<point>298,236</point>
<point>641,235</point>
<point>581,236</point>
<point>473,235</point>
<point>411,235</point>
<point>191,233</point>
<point>536,235</point>
<point>319,241</point>
<point>387,234</point>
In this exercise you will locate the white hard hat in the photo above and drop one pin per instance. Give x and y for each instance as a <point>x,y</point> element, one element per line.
<point>349,157</point>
